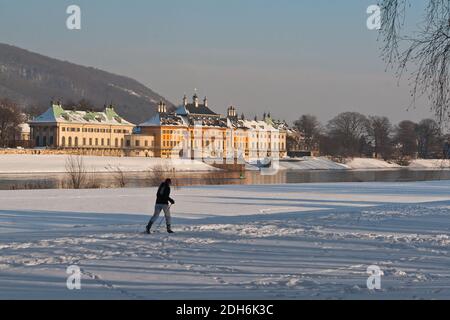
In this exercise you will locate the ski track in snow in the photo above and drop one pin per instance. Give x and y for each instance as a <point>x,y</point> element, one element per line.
<point>318,254</point>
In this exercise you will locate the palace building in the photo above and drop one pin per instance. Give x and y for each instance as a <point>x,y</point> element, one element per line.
<point>195,131</point>
<point>86,132</point>
<point>192,131</point>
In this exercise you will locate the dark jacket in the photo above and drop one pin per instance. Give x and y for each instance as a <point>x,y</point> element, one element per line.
<point>163,195</point>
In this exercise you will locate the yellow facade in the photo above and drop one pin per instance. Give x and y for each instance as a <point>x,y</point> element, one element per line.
<point>61,129</point>
<point>194,131</point>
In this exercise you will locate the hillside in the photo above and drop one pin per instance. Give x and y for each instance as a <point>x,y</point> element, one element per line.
<point>33,80</point>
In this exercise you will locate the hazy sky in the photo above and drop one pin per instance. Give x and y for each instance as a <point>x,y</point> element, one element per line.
<point>289,57</point>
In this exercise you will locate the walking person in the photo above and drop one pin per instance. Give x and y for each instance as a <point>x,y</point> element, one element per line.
<point>162,203</point>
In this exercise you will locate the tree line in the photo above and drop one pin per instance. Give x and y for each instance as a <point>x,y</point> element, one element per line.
<point>349,134</point>
<point>11,117</point>
<point>352,134</point>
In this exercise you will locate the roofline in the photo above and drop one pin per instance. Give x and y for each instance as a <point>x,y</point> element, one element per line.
<point>82,123</point>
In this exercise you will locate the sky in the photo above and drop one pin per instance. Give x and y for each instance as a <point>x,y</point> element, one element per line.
<point>287,57</point>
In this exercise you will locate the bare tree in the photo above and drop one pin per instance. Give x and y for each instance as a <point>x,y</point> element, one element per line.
<point>347,130</point>
<point>430,139</point>
<point>118,175</point>
<point>157,174</point>
<point>76,172</point>
<point>379,131</point>
<point>309,127</point>
<point>328,146</point>
<point>426,51</point>
<point>406,140</point>
<point>10,118</point>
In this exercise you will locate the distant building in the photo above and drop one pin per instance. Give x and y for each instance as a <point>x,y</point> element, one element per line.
<point>23,132</point>
<point>83,131</point>
<point>297,146</point>
<point>22,136</point>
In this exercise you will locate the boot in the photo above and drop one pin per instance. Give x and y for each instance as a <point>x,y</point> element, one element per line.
<point>169,229</point>
<point>149,226</point>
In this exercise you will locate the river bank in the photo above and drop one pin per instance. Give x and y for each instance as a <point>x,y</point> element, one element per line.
<point>24,163</point>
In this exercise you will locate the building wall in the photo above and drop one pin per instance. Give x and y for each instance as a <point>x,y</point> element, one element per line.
<point>176,142</point>
<point>161,142</point>
<point>140,145</point>
<point>206,142</point>
<point>265,142</point>
<point>283,146</point>
<point>256,142</point>
<point>92,136</point>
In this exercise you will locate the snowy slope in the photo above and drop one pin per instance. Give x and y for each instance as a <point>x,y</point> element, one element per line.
<point>430,164</point>
<point>257,242</point>
<point>364,163</point>
<point>312,164</point>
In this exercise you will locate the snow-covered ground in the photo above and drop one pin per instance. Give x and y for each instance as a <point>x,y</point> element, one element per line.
<point>430,164</point>
<point>254,242</point>
<point>364,163</point>
<point>323,163</point>
<point>57,164</point>
<point>308,163</point>
<point>16,164</point>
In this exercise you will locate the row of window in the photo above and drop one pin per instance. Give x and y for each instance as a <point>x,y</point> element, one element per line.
<point>44,142</point>
<point>75,142</point>
<point>96,130</point>
<point>173,132</point>
<point>137,143</point>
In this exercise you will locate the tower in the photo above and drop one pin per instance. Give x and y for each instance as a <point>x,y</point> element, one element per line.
<point>195,100</point>
<point>162,108</point>
<point>231,112</point>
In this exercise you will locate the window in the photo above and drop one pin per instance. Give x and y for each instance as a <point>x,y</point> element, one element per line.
<point>96,141</point>
<point>63,141</point>
<point>128,143</point>
<point>90,141</point>
<point>76,141</point>
<point>146,143</point>
<point>137,143</point>
<point>70,141</point>
<point>117,143</point>
<point>109,142</point>
<point>103,142</point>
<point>84,141</point>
